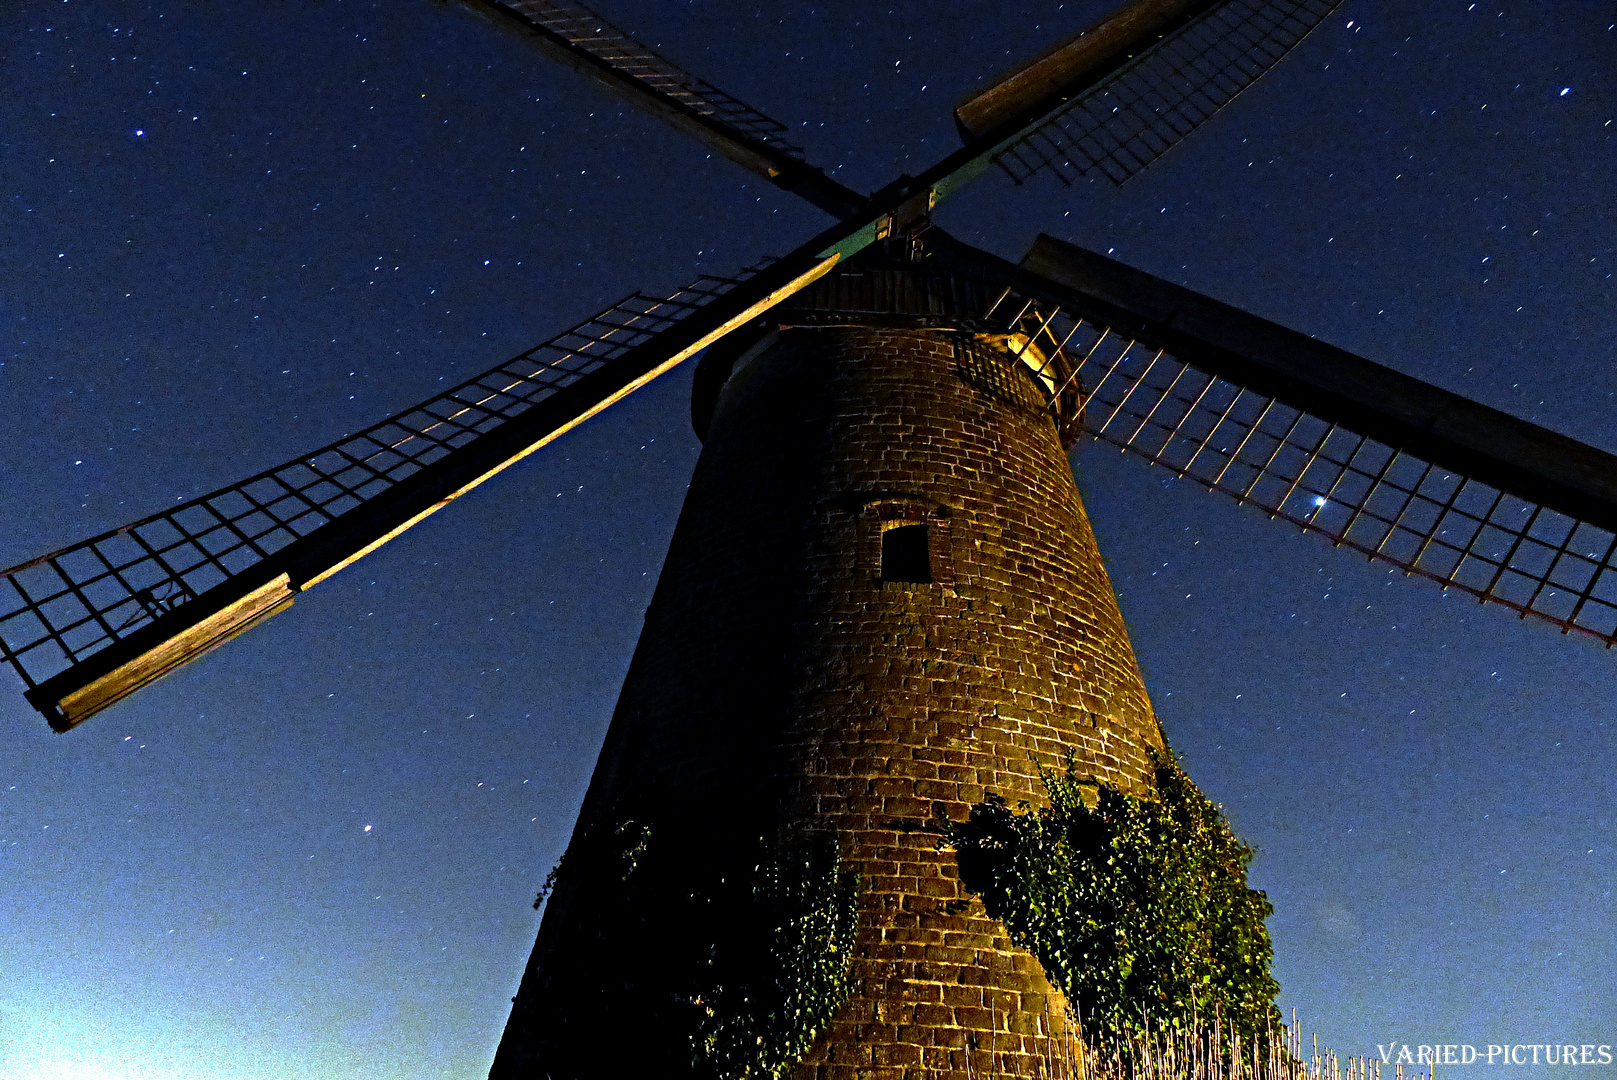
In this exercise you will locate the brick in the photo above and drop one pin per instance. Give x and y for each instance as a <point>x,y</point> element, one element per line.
<point>954,996</point>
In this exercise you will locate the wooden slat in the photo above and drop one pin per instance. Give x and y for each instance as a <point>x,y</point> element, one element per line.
<point>72,707</point>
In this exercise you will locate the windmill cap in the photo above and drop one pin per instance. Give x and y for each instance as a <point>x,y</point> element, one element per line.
<point>871,291</point>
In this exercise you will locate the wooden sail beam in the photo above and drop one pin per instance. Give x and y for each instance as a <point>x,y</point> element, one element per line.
<point>181,626</point>
<point>581,39</point>
<point>1455,432</point>
<point>1406,473</point>
<point>1137,84</point>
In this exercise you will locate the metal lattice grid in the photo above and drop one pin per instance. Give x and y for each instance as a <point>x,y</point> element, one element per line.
<point>58,609</point>
<point>593,34</point>
<point>1137,115</point>
<point>1376,499</point>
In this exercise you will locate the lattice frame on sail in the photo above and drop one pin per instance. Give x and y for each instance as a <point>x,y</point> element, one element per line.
<point>1138,114</point>
<point>61,608</point>
<point>1377,499</point>
<point>593,34</point>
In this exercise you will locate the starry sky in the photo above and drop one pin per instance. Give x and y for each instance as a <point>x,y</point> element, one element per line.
<point>231,233</point>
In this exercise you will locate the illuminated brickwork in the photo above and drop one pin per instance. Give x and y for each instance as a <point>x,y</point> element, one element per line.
<point>780,686</point>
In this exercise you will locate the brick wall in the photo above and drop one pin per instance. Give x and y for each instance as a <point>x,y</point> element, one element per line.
<point>782,687</point>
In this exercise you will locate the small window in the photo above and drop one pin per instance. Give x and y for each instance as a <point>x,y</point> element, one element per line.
<point>906,554</point>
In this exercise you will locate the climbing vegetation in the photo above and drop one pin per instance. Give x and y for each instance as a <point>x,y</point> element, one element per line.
<point>1138,908</point>
<point>766,1006</point>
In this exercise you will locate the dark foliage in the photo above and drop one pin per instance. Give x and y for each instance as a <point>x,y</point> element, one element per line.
<point>723,955</point>
<point>766,1007</point>
<point>1137,908</point>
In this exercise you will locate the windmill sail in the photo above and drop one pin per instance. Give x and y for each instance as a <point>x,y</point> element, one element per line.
<point>1126,106</point>
<point>578,36</point>
<point>1407,473</point>
<point>89,624</point>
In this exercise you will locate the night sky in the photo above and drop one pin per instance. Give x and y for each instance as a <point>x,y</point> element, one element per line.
<point>231,233</point>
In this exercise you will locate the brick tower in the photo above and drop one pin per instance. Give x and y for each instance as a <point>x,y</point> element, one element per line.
<point>883,602</point>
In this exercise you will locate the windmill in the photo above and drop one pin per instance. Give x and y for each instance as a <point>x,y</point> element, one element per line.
<point>157,601</point>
